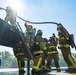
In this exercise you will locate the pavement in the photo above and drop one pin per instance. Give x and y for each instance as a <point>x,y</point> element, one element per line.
<point>8,69</point>
<point>14,71</point>
<point>60,73</point>
<point>63,72</point>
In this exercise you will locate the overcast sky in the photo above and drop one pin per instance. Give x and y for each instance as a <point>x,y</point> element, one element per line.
<point>61,11</point>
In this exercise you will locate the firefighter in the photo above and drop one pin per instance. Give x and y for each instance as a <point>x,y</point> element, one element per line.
<point>64,46</point>
<point>11,15</point>
<point>45,55</point>
<point>29,34</point>
<point>20,55</point>
<point>52,54</point>
<point>39,49</point>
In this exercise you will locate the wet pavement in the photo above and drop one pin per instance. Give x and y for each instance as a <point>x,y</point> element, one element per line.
<point>15,72</point>
<point>11,71</point>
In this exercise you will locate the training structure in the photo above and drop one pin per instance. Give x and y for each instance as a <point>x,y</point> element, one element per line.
<point>9,35</point>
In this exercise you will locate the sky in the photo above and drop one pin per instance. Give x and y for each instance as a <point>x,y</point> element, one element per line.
<point>60,11</point>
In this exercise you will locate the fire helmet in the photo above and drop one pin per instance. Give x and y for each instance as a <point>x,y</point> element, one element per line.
<point>39,32</point>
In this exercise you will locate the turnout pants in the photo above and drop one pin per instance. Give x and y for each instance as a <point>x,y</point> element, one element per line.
<point>38,63</point>
<point>68,58</point>
<point>51,57</point>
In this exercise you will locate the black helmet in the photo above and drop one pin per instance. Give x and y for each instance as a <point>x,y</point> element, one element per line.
<point>39,32</point>
<point>46,40</point>
<point>51,39</point>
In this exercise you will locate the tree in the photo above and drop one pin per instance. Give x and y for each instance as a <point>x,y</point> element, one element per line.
<point>7,59</point>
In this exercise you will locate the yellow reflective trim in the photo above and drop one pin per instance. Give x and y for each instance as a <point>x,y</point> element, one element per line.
<point>52,47</point>
<point>74,67</point>
<point>36,68</point>
<point>60,45</point>
<point>72,62</point>
<point>37,52</point>
<point>67,38</point>
<point>52,52</point>
<point>37,43</point>
<point>21,68</point>
<point>44,48</point>
<point>19,54</point>
<point>67,45</point>
<point>39,62</point>
<point>62,38</point>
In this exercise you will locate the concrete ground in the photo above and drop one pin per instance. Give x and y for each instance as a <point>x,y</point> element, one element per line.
<point>14,71</point>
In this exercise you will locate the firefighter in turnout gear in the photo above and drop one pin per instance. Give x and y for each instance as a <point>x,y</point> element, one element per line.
<point>64,45</point>
<point>52,53</point>
<point>11,15</point>
<point>20,55</point>
<point>29,34</point>
<point>45,55</point>
<point>39,49</point>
